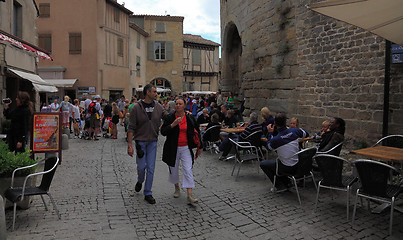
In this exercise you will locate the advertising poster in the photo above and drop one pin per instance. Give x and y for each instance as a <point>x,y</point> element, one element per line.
<point>46,132</point>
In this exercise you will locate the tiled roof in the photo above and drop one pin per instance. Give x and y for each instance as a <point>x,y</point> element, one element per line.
<point>160,17</point>
<point>121,7</point>
<point>139,29</point>
<point>198,39</point>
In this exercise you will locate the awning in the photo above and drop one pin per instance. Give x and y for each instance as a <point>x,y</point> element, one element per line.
<point>159,90</point>
<point>198,92</point>
<point>64,83</point>
<point>39,84</point>
<point>381,17</point>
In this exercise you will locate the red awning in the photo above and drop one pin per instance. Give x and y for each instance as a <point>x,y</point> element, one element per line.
<point>8,38</point>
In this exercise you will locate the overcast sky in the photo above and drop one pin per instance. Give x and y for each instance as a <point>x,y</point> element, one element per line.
<point>202,17</point>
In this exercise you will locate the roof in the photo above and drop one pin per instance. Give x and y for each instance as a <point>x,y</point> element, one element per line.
<point>139,29</point>
<point>121,7</point>
<point>198,39</point>
<point>160,17</point>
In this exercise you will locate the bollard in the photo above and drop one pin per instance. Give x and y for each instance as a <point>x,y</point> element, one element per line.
<point>65,142</point>
<point>3,231</point>
<point>66,131</point>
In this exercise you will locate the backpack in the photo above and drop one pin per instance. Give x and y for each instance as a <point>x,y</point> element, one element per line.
<point>91,107</point>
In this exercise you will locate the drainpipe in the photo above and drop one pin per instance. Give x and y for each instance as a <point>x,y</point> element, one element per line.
<point>385,124</point>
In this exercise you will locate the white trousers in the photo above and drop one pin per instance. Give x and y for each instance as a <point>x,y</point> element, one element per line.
<point>183,154</point>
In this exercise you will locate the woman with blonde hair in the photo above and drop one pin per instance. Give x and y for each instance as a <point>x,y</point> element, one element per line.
<point>115,120</point>
<point>65,109</point>
<point>267,119</point>
<point>294,122</point>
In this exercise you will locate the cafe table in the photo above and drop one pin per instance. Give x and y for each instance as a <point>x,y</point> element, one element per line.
<point>386,154</point>
<point>233,130</point>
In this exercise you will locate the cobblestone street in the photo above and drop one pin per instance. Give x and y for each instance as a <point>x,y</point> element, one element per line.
<point>94,191</point>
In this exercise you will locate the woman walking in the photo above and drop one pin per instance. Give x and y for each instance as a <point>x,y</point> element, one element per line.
<point>65,109</point>
<point>115,120</point>
<point>180,129</point>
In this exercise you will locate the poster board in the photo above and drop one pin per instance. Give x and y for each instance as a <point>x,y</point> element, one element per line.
<point>46,134</point>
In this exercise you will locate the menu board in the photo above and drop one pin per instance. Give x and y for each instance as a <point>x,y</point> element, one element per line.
<point>46,136</point>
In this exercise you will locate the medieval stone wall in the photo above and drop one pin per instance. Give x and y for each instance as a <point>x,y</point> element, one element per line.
<point>311,67</point>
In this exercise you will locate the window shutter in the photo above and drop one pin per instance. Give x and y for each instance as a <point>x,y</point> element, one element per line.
<point>160,27</point>
<point>138,40</point>
<point>150,50</point>
<point>196,57</point>
<point>169,50</point>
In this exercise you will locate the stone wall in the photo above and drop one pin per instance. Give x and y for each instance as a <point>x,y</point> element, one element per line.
<point>312,67</point>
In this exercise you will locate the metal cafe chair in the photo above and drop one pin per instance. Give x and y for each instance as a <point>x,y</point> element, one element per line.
<point>213,134</point>
<point>251,155</point>
<point>374,177</point>
<point>391,141</point>
<point>16,194</point>
<point>303,172</point>
<point>331,168</point>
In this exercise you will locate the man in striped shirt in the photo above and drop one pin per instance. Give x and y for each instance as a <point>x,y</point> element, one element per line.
<point>285,143</point>
<point>253,126</point>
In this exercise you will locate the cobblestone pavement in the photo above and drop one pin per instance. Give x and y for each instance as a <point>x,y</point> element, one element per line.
<point>94,191</point>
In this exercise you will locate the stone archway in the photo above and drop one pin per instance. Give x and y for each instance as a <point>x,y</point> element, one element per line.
<point>232,46</point>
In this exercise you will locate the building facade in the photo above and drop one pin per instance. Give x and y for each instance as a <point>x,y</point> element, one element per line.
<point>138,57</point>
<point>91,41</point>
<point>200,64</point>
<point>19,52</point>
<point>164,50</point>
<point>282,55</point>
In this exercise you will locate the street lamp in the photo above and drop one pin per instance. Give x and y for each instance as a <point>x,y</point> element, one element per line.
<point>137,68</point>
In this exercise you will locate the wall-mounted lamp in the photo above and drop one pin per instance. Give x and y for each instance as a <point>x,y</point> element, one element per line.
<point>137,68</point>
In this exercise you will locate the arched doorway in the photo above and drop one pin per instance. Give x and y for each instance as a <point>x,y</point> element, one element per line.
<point>163,86</point>
<point>232,59</point>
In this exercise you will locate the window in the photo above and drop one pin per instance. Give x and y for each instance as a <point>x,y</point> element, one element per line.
<point>45,42</point>
<point>138,40</point>
<point>120,47</point>
<point>44,10</point>
<point>138,63</point>
<point>160,27</point>
<point>159,49</point>
<point>75,43</point>
<point>116,15</point>
<point>196,57</point>
<point>17,19</point>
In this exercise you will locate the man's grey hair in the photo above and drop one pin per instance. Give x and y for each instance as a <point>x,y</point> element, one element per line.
<point>205,109</point>
<point>253,117</point>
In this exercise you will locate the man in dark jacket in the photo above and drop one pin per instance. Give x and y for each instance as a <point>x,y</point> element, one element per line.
<point>145,120</point>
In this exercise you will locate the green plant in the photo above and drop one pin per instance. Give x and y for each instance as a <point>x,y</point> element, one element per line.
<point>10,161</point>
<point>362,144</point>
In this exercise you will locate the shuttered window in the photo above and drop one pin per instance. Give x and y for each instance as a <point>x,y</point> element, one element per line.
<point>138,40</point>
<point>45,42</point>
<point>160,27</point>
<point>44,10</point>
<point>138,59</point>
<point>160,50</point>
<point>116,15</point>
<point>120,47</point>
<point>75,43</point>
<point>196,59</point>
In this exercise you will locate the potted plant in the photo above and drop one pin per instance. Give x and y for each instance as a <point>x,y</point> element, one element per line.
<point>10,161</point>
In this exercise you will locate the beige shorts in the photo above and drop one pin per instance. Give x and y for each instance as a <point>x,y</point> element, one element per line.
<point>94,121</point>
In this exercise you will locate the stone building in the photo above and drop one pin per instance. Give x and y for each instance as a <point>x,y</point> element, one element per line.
<point>90,41</point>
<point>19,52</point>
<point>200,64</point>
<point>164,50</point>
<point>138,57</point>
<point>282,55</point>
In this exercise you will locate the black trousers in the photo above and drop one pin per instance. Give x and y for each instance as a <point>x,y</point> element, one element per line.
<point>269,168</point>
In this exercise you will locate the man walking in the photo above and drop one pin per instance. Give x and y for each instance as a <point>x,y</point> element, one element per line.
<point>94,109</point>
<point>121,106</point>
<point>145,120</point>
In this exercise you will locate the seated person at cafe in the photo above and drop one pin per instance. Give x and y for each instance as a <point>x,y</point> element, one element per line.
<point>267,119</point>
<point>207,136</point>
<point>318,136</point>
<point>294,123</point>
<point>226,144</point>
<point>286,144</point>
<point>333,136</point>
<point>214,109</point>
<point>230,120</point>
<point>204,117</point>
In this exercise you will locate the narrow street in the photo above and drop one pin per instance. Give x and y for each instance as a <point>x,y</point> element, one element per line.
<point>94,191</point>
